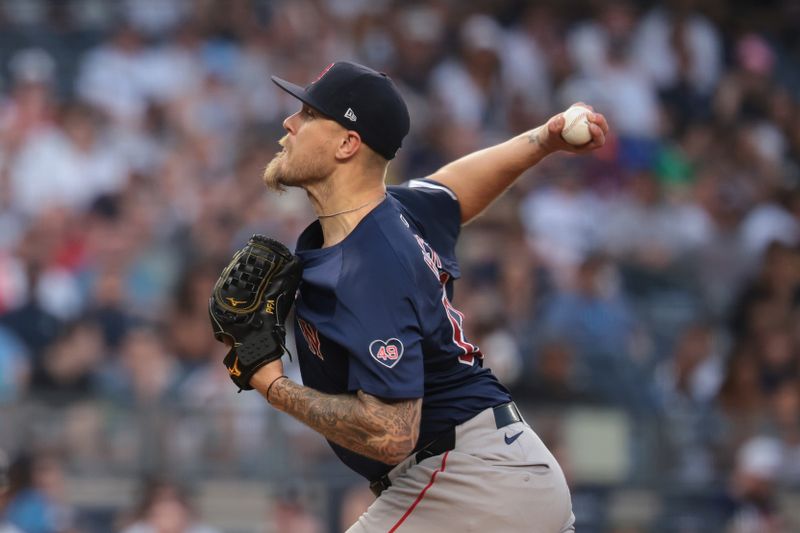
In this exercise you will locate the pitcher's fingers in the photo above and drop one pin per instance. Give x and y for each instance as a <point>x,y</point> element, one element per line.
<point>600,120</point>
<point>598,135</point>
<point>556,124</point>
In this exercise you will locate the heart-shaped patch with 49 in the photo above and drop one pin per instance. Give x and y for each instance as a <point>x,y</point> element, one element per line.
<point>387,352</point>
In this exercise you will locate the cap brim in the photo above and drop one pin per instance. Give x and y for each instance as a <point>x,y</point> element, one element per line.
<point>295,90</point>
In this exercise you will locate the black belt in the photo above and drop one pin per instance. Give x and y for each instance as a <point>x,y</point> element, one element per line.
<point>504,415</point>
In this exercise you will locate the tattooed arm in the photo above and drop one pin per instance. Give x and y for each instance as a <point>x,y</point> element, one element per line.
<point>374,428</point>
<point>480,177</point>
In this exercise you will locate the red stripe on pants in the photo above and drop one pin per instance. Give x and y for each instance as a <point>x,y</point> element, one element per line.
<point>421,494</point>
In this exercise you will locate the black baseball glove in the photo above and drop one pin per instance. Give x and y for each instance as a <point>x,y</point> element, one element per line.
<point>249,304</point>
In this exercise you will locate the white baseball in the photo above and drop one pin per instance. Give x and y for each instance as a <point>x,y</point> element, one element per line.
<point>576,125</point>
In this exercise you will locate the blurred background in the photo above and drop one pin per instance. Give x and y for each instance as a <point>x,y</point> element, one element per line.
<point>641,303</point>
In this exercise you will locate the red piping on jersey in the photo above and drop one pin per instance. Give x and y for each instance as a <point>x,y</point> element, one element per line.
<point>312,337</point>
<point>421,494</point>
<point>457,323</point>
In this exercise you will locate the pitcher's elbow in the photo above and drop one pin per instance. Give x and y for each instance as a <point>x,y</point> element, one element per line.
<point>399,450</point>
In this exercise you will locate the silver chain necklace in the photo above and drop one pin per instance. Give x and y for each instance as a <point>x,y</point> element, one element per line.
<point>352,209</point>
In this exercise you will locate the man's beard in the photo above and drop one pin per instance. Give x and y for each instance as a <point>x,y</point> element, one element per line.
<point>279,174</point>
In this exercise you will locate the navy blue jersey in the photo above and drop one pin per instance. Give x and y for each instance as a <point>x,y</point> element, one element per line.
<point>374,314</point>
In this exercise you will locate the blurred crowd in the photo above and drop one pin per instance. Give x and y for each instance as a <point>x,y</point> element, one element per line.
<point>659,276</point>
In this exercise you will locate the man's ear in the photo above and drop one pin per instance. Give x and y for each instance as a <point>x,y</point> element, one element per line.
<point>349,145</point>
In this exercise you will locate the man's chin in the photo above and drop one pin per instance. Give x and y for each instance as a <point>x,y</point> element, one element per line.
<point>274,177</point>
<point>279,174</point>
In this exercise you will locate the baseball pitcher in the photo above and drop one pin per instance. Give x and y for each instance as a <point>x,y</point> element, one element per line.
<point>389,377</point>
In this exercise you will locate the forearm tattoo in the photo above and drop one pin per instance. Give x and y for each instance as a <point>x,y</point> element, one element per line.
<point>359,422</point>
<point>533,137</point>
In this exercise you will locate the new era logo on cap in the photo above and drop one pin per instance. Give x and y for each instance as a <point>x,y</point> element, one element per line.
<point>382,120</point>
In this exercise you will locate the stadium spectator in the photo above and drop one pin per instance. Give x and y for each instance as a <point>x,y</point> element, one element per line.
<point>753,488</point>
<point>5,526</point>
<point>165,507</point>
<point>594,318</point>
<point>36,500</point>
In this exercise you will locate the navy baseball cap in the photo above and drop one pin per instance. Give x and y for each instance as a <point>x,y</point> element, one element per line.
<point>360,99</point>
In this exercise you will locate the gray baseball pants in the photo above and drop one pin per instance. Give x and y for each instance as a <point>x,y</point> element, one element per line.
<point>503,480</point>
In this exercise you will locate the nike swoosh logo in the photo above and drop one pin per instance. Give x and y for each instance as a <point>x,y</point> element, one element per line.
<point>512,438</point>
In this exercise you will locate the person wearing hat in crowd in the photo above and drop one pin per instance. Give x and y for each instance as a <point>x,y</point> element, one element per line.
<point>754,488</point>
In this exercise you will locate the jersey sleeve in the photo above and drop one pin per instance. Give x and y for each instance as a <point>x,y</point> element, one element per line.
<point>435,210</point>
<point>380,329</point>
<point>386,353</point>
